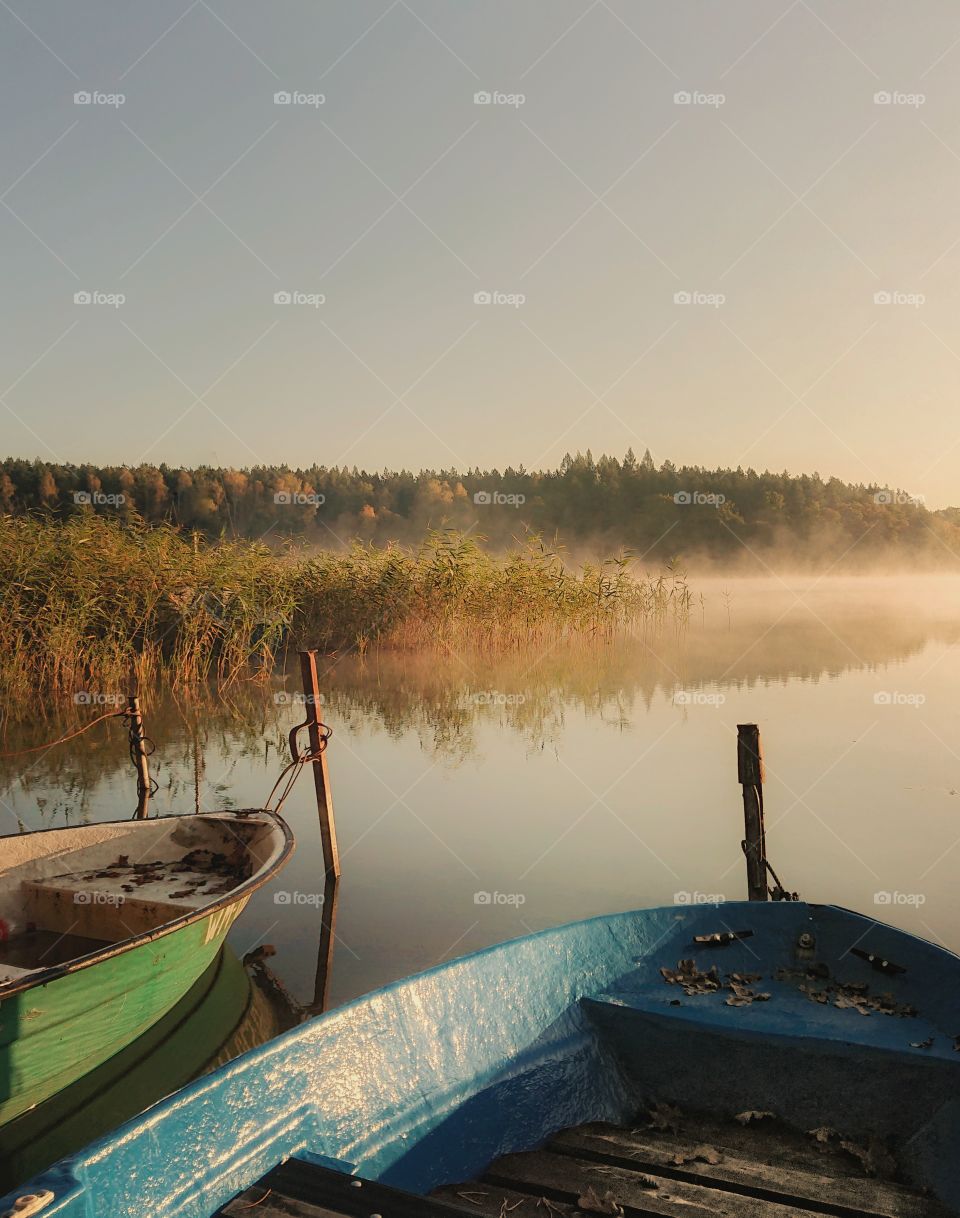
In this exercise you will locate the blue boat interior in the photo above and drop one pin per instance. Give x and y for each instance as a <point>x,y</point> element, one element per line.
<point>824,1018</point>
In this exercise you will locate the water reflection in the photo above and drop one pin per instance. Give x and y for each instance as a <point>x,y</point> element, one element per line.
<point>478,800</point>
<point>235,1006</point>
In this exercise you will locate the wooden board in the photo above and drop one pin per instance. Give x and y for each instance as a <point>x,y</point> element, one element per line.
<point>815,1191</point>
<point>563,1178</point>
<point>260,1202</point>
<point>763,1170</point>
<point>297,1189</point>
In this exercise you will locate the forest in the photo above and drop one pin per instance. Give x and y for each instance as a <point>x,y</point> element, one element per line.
<point>605,504</point>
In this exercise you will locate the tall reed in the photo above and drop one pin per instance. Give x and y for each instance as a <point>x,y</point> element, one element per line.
<point>91,603</point>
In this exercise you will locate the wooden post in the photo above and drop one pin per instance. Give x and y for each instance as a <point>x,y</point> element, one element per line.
<point>321,776</point>
<point>328,932</point>
<point>139,752</point>
<point>750,775</point>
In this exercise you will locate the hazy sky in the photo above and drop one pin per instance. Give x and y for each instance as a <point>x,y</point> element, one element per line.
<point>782,198</point>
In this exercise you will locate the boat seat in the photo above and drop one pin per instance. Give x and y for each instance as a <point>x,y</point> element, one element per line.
<point>84,904</point>
<point>789,1013</point>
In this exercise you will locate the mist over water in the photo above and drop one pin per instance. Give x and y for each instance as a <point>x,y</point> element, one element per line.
<point>578,779</point>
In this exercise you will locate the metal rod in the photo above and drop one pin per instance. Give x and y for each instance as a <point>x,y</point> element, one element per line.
<point>750,775</point>
<point>139,754</point>
<point>321,775</point>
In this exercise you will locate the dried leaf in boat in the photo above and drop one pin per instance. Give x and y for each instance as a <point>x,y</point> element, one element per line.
<point>665,1116</point>
<point>823,1134</point>
<point>591,1201</point>
<point>699,1154</point>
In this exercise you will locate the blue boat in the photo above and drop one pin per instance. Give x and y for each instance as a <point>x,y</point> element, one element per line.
<point>835,1032</point>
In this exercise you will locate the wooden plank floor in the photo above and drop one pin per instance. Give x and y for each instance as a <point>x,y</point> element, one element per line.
<point>297,1189</point>
<point>706,1168</point>
<point>696,1168</point>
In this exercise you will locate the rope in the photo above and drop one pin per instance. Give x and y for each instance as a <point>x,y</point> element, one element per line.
<point>138,740</point>
<point>70,735</point>
<point>779,893</point>
<point>291,772</point>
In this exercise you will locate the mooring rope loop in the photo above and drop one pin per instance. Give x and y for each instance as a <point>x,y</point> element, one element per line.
<point>291,772</point>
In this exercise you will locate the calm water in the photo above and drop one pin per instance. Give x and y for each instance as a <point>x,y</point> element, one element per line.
<point>576,782</point>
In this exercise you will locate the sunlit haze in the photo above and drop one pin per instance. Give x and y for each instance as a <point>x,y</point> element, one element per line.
<point>726,232</point>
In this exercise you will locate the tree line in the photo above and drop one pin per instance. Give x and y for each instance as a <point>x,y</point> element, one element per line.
<point>659,511</point>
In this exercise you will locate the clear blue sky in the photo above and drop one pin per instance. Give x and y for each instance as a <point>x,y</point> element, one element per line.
<point>794,195</point>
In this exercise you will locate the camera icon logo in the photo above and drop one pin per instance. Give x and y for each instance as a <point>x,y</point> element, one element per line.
<point>482,898</point>
<point>682,497</point>
<point>683,98</point>
<point>482,497</point>
<point>83,98</point>
<point>882,898</point>
<point>283,98</point>
<point>483,98</point>
<point>882,298</point>
<point>283,497</point>
<point>82,298</point>
<point>482,298</point>
<point>282,298</point>
<point>281,898</point>
<point>883,98</point>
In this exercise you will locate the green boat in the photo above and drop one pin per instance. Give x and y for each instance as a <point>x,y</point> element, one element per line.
<point>104,928</point>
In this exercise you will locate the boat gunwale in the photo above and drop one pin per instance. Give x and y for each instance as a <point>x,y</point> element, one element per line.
<point>250,885</point>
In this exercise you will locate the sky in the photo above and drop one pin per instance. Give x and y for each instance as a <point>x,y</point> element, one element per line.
<point>449,233</point>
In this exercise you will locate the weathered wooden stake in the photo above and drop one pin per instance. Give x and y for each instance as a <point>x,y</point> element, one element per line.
<point>139,752</point>
<point>328,932</point>
<point>750,775</point>
<point>321,776</point>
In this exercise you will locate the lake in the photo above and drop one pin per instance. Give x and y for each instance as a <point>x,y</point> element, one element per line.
<point>478,800</point>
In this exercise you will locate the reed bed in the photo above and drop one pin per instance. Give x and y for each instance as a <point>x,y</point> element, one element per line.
<point>93,604</point>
